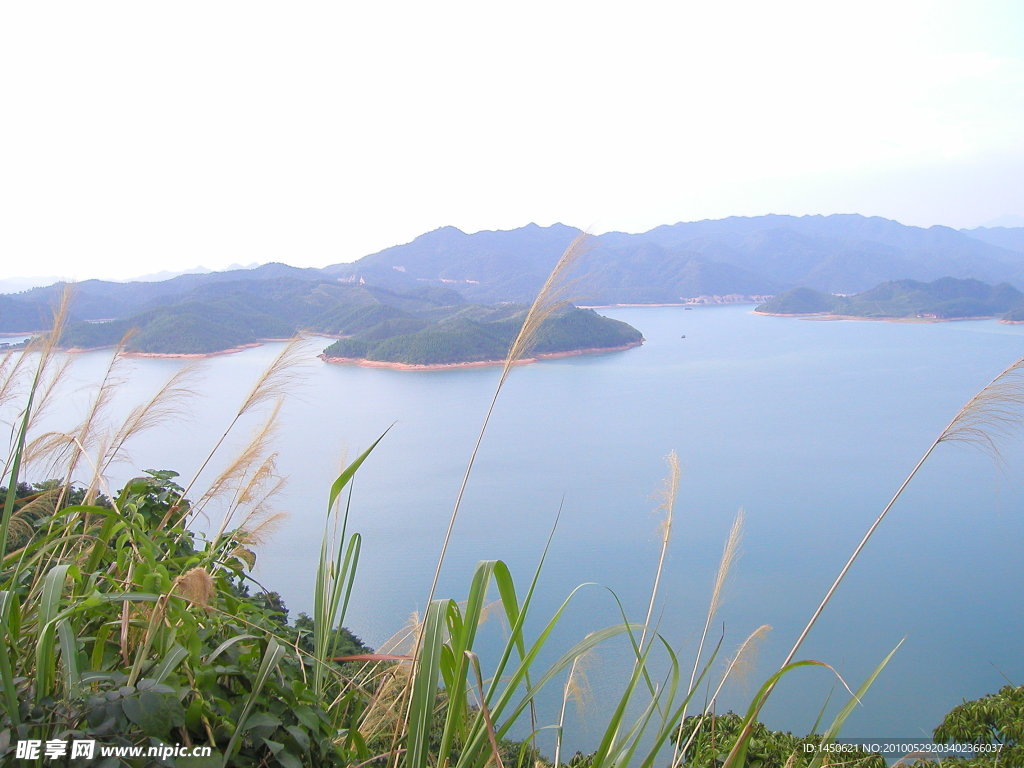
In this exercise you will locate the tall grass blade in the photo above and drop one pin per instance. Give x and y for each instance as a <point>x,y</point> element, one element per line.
<point>69,655</point>
<point>423,700</point>
<point>7,683</point>
<point>845,712</point>
<point>271,658</point>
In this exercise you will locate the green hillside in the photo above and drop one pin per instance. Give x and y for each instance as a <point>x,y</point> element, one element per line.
<point>945,299</point>
<point>475,334</point>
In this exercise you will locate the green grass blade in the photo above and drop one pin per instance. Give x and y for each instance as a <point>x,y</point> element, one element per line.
<point>10,693</point>
<point>833,729</point>
<point>173,658</point>
<point>69,654</point>
<point>424,688</point>
<point>271,658</point>
<point>339,485</point>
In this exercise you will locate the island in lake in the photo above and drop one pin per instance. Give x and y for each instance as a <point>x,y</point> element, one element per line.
<point>475,334</point>
<point>945,299</point>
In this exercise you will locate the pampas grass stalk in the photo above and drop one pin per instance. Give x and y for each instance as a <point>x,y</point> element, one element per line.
<point>551,298</point>
<point>990,414</point>
<point>272,385</point>
<point>47,347</point>
<point>724,566</point>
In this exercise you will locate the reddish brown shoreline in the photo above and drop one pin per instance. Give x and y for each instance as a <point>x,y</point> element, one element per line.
<point>828,316</point>
<point>476,363</point>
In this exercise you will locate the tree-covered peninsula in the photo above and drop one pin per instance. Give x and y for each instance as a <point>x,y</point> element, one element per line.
<point>945,299</point>
<point>420,326</point>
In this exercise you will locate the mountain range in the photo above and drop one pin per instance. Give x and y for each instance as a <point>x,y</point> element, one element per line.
<point>727,259</point>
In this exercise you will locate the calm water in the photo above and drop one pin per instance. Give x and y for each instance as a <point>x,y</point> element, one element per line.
<point>808,426</point>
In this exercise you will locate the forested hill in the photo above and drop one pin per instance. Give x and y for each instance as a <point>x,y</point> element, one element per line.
<point>476,333</point>
<point>227,315</point>
<point>944,299</point>
<point>421,326</point>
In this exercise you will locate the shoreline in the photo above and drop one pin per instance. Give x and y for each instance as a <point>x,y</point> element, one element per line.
<point>364,363</point>
<point>692,304</point>
<point>827,316</point>
<point>176,355</point>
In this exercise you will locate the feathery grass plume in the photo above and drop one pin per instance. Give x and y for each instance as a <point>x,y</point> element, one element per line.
<point>195,585</point>
<point>744,656</point>
<point>11,368</point>
<point>577,689</point>
<point>251,457</point>
<point>254,531</point>
<point>55,376</point>
<point>382,719</point>
<point>165,404</point>
<point>669,492</point>
<point>278,378</point>
<point>45,347</point>
<point>745,661</point>
<point>990,414</point>
<point>550,299</point>
<point>32,510</point>
<point>104,394</point>
<point>724,566</point>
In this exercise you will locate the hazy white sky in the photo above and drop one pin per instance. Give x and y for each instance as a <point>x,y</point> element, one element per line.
<point>139,136</point>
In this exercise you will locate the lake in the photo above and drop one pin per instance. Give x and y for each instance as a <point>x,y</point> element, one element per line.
<point>809,426</point>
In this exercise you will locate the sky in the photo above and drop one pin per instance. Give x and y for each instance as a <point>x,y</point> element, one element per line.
<point>139,137</point>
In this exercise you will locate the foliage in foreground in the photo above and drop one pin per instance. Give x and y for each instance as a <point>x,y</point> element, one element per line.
<point>121,625</point>
<point>118,621</point>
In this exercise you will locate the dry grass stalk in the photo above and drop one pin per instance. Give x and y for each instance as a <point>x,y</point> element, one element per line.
<point>551,298</point>
<point>104,394</point>
<point>164,405</point>
<point>744,655</point>
<point>249,460</point>
<point>724,566</point>
<point>272,385</point>
<point>577,689</point>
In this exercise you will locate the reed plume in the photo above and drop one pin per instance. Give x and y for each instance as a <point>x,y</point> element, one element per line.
<point>987,416</point>
<point>195,585</point>
<point>164,405</point>
<point>252,457</point>
<point>724,566</point>
<point>46,346</point>
<point>577,689</point>
<point>104,394</point>
<point>272,385</point>
<point>551,298</point>
<point>743,656</point>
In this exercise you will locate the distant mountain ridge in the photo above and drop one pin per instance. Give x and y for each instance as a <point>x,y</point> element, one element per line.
<point>734,258</point>
<point>842,253</point>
